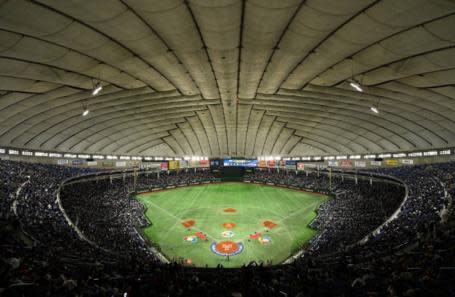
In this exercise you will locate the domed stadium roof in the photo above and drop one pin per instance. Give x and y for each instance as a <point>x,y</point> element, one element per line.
<point>227,77</point>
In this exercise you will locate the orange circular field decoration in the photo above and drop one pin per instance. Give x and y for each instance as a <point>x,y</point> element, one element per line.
<point>227,247</point>
<point>229,225</point>
<point>230,210</point>
<point>188,223</point>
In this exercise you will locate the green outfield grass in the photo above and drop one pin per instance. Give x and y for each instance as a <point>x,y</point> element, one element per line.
<point>290,210</point>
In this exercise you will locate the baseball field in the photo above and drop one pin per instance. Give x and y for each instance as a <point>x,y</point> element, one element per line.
<point>230,223</point>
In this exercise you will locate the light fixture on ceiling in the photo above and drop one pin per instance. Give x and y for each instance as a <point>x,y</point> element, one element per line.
<point>356,86</point>
<point>97,88</point>
<point>353,82</point>
<point>375,107</point>
<point>85,110</point>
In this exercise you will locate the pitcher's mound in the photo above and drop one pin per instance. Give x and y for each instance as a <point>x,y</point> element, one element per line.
<point>229,225</point>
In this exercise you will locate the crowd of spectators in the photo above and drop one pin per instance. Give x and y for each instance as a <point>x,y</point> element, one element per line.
<point>315,181</point>
<point>354,211</point>
<point>105,213</point>
<point>149,181</point>
<point>357,208</point>
<point>41,255</point>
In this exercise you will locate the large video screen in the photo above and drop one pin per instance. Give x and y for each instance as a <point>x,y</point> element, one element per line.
<point>240,163</point>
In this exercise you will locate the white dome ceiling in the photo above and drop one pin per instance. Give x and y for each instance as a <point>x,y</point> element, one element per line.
<point>227,77</point>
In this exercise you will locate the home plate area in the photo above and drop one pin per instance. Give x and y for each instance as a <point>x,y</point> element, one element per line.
<point>227,248</point>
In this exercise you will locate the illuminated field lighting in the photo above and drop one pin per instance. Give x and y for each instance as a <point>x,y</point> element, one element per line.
<point>97,89</point>
<point>86,112</point>
<point>374,109</point>
<point>356,86</point>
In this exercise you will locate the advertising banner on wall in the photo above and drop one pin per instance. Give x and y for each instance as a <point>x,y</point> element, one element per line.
<point>194,164</point>
<point>62,162</point>
<point>375,163</point>
<point>108,163</point>
<point>300,166</point>
<point>391,162</point>
<point>92,163</point>
<point>215,163</point>
<point>120,164</point>
<point>164,166</point>
<point>77,162</point>
<point>271,164</point>
<point>291,165</point>
<point>407,161</point>
<point>346,163</point>
<point>262,163</point>
<point>360,164</point>
<point>204,163</point>
<point>150,165</point>
<point>314,165</point>
<point>134,163</point>
<point>173,165</point>
<point>183,164</point>
<point>332,163</point>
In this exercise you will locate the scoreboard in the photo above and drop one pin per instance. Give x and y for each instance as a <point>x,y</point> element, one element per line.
<point>240,163</point>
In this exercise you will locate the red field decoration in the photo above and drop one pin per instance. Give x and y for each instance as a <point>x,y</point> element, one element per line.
<point>201,235</point>
<point>188,223</point>
<point>230,210</point>
<point>269,224</point>
<point>229,225</point>
<point>255,235</point>
<point>227,247</point>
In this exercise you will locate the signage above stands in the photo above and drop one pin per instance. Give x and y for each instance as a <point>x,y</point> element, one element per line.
<point>240,163</point>
<point>346,163</point>
<point>343,160</point>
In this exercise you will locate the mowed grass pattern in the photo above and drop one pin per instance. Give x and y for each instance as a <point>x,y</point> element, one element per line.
<point>291,210</point>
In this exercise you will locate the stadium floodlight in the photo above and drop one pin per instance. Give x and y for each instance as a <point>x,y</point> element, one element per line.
<point>374,109</point>
<point>86,112</point>
<point>97,88</point>
<point>13,152</point>
<point>444,152</point>
<point>356,86</point>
